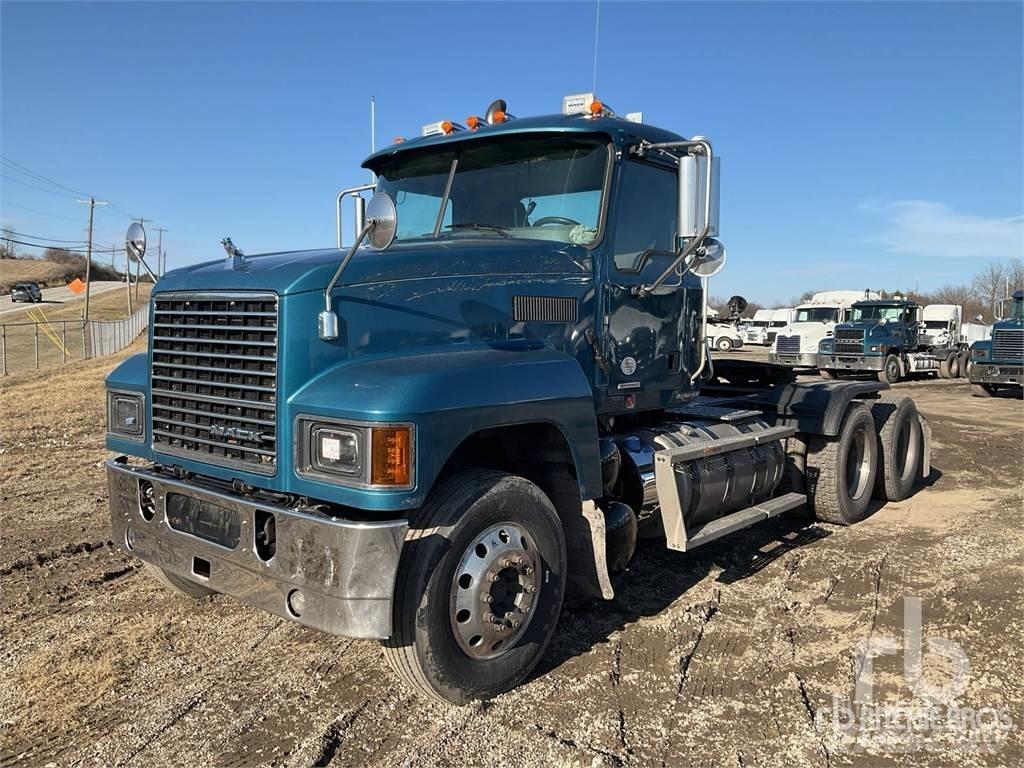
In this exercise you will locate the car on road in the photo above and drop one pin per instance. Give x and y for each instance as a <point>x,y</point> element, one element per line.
<point>27,292</point>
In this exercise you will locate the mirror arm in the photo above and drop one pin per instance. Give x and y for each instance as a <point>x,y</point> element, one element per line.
<point>667,146</point>
<point>337,213</point>
<point>344,262</point>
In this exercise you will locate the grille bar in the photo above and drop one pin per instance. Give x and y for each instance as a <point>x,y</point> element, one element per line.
<point>214,378</point>
<point>787,345</point>
<point>849,340</point>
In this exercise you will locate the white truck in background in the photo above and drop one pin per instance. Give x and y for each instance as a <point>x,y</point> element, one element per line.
<point>796,344</point>
<point>780,318</point>
<point>756,331</point>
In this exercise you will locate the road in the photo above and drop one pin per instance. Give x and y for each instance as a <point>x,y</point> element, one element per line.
<point>59,295</point>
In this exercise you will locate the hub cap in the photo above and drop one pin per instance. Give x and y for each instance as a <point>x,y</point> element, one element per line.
<point>858,465</point>
<point>494,591</point>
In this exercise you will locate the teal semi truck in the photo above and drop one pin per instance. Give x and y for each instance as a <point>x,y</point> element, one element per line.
<point>892,338</point>
<point>429,437</point>
<point>998,363</point>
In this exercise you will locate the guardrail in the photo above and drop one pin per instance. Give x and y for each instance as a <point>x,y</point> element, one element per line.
<point>42,342</point>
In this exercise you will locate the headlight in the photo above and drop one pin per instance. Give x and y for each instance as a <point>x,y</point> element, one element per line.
<point>124,415</point>
<point>874,347</point>
<point>979,353</point>
<point>365,455</point>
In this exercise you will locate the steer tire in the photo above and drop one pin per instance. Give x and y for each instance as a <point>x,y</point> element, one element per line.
<point>891,370</point>
<point>900,447</point>
<point>831,469</point>
<point>429,648</point>
<point>724,344</point>
<point>177,583</point>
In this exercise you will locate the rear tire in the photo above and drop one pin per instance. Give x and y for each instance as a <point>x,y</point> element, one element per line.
<point>840,472</point>
<point>944,369</point>
<point>445,642</point>
<point>891,371</point>
<point>177,584</point>
<point>900,446</point>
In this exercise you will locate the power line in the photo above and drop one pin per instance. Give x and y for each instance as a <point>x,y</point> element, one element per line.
<point>36,210</point>
<point>40,237</point>
<point>33,186</point>
<point>40,177</point>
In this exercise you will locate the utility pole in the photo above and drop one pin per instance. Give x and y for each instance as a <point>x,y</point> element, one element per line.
<point>128,279</point>
<point>93,202</point>
<point>160,251</point>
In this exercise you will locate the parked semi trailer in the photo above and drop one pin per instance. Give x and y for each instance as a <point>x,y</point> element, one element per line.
<point>998,363</point>
<point>796,345</point>
<point>895,337</point>
<point>427,439</point>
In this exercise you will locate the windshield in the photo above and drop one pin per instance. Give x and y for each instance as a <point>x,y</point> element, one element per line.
<point>759,323</point>
<point>778,324</point>
<point>537,188</point>
<point>876,312</point>
<point>935,325</point>
<point>817,315</point>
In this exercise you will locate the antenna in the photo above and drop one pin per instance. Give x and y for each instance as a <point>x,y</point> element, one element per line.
<point>373,131</point>
<point>597,29</point>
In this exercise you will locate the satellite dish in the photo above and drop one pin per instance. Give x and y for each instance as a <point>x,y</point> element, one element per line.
<point>498,105</point>
<point>135,241</point>
<point>710,259</point>
<point>736,305</point>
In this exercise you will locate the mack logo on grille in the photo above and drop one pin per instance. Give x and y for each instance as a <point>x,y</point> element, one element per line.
<point>236,433</point>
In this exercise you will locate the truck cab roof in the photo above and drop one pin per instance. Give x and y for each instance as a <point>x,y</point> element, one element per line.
<point>620,131</point>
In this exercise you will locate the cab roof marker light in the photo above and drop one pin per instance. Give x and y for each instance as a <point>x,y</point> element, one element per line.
<point>473,122</point>
<point>441,128</point>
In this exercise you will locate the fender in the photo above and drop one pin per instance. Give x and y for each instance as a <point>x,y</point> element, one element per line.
<point>450,394</point>
<point>816,408</point>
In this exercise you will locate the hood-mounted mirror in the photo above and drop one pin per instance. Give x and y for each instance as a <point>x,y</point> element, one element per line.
<point>135,246</point>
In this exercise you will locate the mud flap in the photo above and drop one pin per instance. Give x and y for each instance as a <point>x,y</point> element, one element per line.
<point>926,459</point>
<point>587,555</point>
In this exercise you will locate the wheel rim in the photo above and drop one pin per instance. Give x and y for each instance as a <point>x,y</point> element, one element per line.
<point>494,591</point>
<point>858,465</point>
<point>906,449</point>
<point>892,370</point>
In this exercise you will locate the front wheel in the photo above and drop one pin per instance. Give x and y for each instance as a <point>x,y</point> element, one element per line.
<point>724,344</point>
<point>183,587</point>
<point>479,588</point>
<point>890,373</point>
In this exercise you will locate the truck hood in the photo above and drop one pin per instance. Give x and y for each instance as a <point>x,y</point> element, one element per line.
<point>300,271</point>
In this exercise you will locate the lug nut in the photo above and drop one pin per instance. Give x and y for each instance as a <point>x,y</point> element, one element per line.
<point>507,563</point>
<point>502,627</point>
<point>529,589</point>
<point>516,623</point>
<point>490,617</point>
<point>528,570</point>
<point>492,577</point>
<point>486,598</point>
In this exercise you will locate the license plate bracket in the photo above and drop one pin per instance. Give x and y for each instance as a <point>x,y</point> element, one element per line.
<point>204,519</point>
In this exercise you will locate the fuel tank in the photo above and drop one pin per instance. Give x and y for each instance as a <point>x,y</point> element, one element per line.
<point>710,486</point>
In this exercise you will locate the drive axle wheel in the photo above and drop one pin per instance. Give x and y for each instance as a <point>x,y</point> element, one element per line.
<point>840,471</point>
<point>479,587</point>
<point>900,446</point>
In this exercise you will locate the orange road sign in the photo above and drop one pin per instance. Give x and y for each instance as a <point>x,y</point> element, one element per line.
<point>76,285</point>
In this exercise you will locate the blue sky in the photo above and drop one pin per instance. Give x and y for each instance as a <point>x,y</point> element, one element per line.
<point>868,144</point>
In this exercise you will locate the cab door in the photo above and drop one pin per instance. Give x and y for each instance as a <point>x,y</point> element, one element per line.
<point>649,341</point>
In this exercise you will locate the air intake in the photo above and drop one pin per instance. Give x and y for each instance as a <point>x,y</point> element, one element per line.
<point>545,309</point>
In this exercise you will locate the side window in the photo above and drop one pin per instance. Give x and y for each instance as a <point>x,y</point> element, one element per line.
<point>647,210</point>
<point>417,214</point>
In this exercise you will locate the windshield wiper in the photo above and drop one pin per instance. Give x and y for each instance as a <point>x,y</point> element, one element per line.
<point>503,231</point>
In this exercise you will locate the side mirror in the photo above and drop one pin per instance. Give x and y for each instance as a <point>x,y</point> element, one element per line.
<point>709,259</point>
<point>383,215</point>
<point>135,241</point>
<point>696,206</point>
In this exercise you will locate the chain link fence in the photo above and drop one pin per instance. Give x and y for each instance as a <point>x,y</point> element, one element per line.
<point>39,343</point>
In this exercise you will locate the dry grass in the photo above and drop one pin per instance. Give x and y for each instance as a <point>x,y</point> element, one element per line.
<point>65,321</point>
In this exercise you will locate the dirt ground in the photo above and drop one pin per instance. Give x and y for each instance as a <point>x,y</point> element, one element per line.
<point>737,654</point>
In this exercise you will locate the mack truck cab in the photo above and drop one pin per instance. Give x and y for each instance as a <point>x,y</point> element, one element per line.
<point>796,345</point>
<point>998,363</point>
<point>756,330</point>
<point>893,338</point>
<point>428,435</point>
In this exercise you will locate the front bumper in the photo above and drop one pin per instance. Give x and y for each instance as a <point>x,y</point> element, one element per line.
<point>994,373</point>
<point>344,569</point>
<point>841,362</point>
<point>797,360</point>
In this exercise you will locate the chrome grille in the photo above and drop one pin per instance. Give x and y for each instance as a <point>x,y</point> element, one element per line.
<point>1008,344</point>
<point>849,340</point>
<point>787,345</point>
<point>214,378</point>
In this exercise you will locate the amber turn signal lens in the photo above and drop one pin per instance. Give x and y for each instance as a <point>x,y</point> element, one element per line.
<point>391,462</point>
<point>473,122</point>
<point>447,127</point>
<point>596,107</point>
<point>399,139</point>
<point>498,116</point>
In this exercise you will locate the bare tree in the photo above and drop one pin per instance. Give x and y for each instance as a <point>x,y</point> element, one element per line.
<point>8,250</point>
<point>990,286</point>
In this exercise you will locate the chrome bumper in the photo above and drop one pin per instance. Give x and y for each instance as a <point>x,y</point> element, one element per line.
<point>344,569</point>
<point>798,360</point>
<point>851,362</point>
<point>993,373</point>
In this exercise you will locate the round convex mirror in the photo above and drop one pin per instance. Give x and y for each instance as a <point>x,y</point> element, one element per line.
<point>382,212</point>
